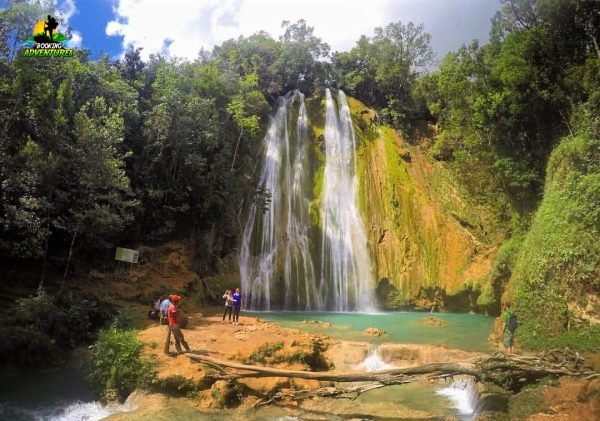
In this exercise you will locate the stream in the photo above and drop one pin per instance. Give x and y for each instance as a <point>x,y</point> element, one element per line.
<point>52,394</point>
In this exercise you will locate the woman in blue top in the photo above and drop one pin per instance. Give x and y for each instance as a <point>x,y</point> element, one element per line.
<point>237,305</point>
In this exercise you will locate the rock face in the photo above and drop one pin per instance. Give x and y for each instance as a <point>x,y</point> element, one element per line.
<point>428,246</point>
<point>423,235</point>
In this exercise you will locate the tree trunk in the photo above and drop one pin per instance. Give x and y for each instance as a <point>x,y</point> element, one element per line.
<point>497,368</point>
<point>43,278</point>
<point>236,148</point>
<point>69,255</point>
<point>595,42</point>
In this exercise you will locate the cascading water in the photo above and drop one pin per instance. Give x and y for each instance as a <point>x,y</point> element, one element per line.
<point>346,274</point>
<point>285,220</point>
<point>464,395</point>
<point>299,274</point>
<point>280,246</point>
<point>374,362</point>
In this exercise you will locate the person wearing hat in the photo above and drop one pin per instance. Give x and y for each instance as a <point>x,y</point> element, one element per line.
<point>172,317</point>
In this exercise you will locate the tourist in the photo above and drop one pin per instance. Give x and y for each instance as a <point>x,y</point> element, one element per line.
<point>237,305</point>
<point>173,314</point>
<point>228,305</point>
<point>155,312</point>
<point>164,306</point>
<point>509,325</point>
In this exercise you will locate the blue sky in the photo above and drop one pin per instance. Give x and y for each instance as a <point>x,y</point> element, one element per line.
<point>182,27</point>
<point>90,19</point>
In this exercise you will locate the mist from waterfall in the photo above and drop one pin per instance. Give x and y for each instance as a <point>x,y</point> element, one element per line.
<point>285,262</point>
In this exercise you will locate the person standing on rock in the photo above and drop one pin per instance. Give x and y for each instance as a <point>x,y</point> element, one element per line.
<point>509,325</point>
<point>172,317</point>
<point>237,306</point>
<point>228,305</point>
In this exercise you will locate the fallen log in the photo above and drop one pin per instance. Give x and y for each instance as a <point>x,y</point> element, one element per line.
<point>498,368</point>
<point>393,375</point>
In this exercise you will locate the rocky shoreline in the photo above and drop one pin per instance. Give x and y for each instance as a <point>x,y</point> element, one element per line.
<point>255,341</point>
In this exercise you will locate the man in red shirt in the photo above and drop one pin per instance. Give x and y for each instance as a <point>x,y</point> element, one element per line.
<point>172,317</point>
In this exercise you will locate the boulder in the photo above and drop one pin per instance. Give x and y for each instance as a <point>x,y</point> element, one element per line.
<point>432,321</point>
<point>374,331</point>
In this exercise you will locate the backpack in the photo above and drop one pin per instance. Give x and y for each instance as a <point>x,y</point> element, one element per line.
<point>512,323</point>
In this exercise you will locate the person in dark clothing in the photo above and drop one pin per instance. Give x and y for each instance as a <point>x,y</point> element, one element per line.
<point>508,334</point>
<point>172,317</point>
<point>237,306</point>
<point>228,297</point>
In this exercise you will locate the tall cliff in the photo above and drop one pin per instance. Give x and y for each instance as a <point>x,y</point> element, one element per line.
<point>428,245</point>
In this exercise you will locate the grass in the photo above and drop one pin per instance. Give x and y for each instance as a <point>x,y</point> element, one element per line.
<point>265,351</point>
<point>528,402</point>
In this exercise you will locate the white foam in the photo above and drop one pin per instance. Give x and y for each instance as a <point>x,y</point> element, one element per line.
<point>374,362</point>
<point>80,411</point>
<point>463,395</point>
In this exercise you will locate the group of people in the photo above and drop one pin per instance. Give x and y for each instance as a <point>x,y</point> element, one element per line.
<point>167,311</point>
<point>170,314</point>
<point>233,304</point>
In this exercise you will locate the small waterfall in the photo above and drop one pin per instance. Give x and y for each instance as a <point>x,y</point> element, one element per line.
<point>374,362</point>
<point>464,394</point>
<point>346,275</point>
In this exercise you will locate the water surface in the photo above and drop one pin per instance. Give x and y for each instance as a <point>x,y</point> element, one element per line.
<point>462,331</point>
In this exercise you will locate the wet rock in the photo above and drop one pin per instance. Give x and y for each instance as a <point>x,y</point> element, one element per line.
<point>374,331</point>
<point>432,321</point>
<point>322,324</point>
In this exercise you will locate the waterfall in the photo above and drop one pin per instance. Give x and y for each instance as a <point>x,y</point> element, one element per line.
<point>464,395</point>
<point>279,246</point>
<point>346,274</point>
<point>374,362</point>
<point>281,228</point>
<point>299,274</point>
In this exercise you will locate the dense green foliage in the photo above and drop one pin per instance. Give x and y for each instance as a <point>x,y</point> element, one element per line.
<point>116,363</point>
<point>114,153</point>
<point>106,153</point>
<point>42,326</point>
<point>559,261</point>
<point>503,106</point>
<point>502,109</point>
<point>383,71</point>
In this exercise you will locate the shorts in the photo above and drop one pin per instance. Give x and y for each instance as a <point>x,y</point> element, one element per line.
<point>508,338</point>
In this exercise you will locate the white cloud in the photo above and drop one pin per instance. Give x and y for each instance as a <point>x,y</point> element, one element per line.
<point>182,27</point>
<point>66,9</point>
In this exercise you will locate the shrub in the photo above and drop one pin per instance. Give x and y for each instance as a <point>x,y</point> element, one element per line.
<point>42,325</point>
<point>116,363</point>
<point>265,351</point>
<point>127,318</point>
<point>26,346</point>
